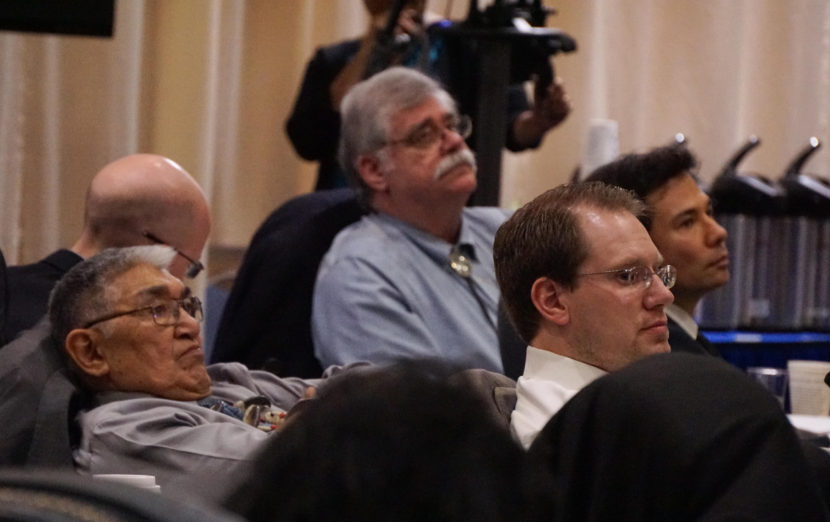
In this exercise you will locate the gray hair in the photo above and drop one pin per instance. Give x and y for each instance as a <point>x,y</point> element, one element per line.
<point>81,295</point>
<point>367,111</point>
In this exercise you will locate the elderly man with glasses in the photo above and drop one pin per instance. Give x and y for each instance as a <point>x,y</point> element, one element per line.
<point>134,200</point>
<point>414,278</point>
<point>140,199</point>
<point>131,332</point>
<point>585,288</point>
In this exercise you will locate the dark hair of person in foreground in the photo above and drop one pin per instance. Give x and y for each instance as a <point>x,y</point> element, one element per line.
<point>404,443</point>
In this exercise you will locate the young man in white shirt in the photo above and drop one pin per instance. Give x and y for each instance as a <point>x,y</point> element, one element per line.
<point>577,273</point>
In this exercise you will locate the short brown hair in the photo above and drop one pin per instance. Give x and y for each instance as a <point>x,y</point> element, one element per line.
<point>544,239</point>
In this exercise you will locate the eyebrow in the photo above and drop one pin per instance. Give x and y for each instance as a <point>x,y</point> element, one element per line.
<point>429,121</point>
<point>160,291</point>
<point>632,263</point>
<point>693,209</point>
<point>423,124</point>
<point>688,212</point>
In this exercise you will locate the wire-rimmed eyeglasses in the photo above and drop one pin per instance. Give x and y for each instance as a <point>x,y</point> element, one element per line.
<point>195,266</point>
<point>428,133</point>
<point>164,314</point>
<point>641,274</point>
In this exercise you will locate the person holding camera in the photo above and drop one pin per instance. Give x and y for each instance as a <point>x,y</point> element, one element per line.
<point>314,124</point>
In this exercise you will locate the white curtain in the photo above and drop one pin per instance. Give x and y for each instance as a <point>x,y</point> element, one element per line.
<point>210,83</point>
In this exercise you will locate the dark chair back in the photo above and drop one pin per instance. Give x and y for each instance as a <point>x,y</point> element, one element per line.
<point>511,347</point>
<point>267,318</point>
<point>56,496</point>
<point>4,299</point>
<point>38,402</point>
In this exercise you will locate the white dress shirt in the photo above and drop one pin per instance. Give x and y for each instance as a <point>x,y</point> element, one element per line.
<point>683,319</point>
<point>548,382</point>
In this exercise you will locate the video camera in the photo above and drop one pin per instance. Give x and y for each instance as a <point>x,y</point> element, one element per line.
<point>518,23</point>
<point>522,24</point>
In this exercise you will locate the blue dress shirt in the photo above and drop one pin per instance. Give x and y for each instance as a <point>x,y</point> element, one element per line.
<point>385,291</point>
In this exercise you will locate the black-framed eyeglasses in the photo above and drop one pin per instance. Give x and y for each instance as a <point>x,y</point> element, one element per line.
<point>428,133</point>
<point>195,266</point>
<point>164,314</point>
<point>641,275</point>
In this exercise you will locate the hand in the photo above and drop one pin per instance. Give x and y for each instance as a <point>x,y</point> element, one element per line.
<point>551,105</point>
<point>410,22</point>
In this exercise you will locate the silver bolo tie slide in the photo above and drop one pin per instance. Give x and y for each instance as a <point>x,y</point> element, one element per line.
<point>462,266</point>
<point>460,263</point>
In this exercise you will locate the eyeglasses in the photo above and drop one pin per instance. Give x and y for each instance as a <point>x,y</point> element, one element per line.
<point>640,274</point>
<point>428,133</point>
<point>164,314</point>
<point>195,266</point>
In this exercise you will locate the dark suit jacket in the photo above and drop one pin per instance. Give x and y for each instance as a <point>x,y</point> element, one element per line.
<point>4,298</point>
<point>710,445</point>
<point>680,341</point>
<point>267,318</point>
<point>29,289</point>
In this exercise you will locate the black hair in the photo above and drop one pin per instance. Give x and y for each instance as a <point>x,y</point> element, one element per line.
<point>647,172</point>
<point>404,443</point>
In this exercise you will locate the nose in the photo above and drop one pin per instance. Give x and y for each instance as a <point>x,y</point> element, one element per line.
<point>657,294</point>
<point>451,140</point>
<point>187,325</point>
<point>716,233</point>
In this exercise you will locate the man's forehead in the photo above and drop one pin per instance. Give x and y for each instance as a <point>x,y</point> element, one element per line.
<point>616,238</point>
<point>432,106</point>
<point>145,281</point>
<point>677,195</point>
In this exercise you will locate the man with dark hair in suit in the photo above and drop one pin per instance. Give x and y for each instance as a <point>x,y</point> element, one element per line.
<point>680,221</point>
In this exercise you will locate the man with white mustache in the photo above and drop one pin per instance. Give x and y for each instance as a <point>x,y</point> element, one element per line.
<point>413,279</point>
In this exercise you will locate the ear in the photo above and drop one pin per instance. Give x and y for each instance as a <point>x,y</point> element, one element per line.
<point>369,168</point>
<point>83,347</point>
<point>546,295</point>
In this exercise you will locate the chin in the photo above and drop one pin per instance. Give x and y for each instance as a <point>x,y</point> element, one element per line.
<point>468,183</point>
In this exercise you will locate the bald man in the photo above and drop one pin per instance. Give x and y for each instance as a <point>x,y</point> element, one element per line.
<point>136,200</point>
<point>142,199</point>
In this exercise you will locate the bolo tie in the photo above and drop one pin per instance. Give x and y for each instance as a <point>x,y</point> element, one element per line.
<point>461,264</point>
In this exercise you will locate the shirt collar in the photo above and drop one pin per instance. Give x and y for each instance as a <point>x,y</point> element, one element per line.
<point>569,372</point>
<point>435,247</point>
<point>683,319</point>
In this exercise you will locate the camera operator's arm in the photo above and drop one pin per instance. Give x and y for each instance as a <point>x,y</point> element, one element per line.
<point>550,107</point>
<point>409,23</point>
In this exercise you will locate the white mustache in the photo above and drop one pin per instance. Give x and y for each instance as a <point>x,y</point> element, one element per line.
<point>463,156</point>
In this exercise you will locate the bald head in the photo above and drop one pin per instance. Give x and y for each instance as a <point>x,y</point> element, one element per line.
<point>145,193</point>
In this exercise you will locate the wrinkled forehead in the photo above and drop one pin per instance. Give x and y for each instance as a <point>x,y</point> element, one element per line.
<point>414,113</point>
<point>144,283</point>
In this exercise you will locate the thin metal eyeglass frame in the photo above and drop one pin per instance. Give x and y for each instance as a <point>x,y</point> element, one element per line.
<point>175,312</point>
<point>463,126</point>
<point>668,280</point>
<point>195,266</point>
